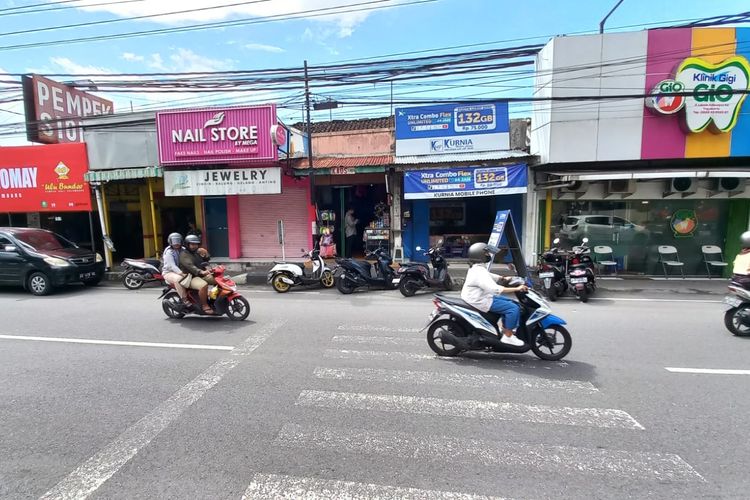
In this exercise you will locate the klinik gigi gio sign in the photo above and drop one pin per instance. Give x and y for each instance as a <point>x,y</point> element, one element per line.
<point>714,93</point>
<point>217,135</point>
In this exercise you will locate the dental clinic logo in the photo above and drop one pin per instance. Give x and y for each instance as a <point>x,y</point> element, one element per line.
<point>714,93</point>
<point>449,145</point>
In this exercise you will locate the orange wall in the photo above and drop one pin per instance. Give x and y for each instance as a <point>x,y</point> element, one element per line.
<point>360,142</point>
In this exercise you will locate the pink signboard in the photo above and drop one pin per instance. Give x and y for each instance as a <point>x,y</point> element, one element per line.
<point>228,135</point>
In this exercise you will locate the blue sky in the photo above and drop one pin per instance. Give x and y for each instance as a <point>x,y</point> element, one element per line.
<point>353,35</point>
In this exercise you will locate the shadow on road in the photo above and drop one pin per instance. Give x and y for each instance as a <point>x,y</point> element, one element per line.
<point>211,324</point>
<point>553,370</point>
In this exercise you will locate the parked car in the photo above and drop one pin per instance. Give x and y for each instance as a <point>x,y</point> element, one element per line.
<point>602,229</point>
<point>40,260</point>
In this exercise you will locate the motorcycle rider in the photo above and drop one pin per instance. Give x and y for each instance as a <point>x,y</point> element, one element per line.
<point>482,291</point>
<point>171,266</point>
<point>741,270</point>
<point>190,262</point>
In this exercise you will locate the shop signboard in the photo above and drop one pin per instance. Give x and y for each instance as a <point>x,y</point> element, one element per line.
<point>504,227</point>
<point>713,93</point>
<point>464,182</point>
<point>228,135</point>
<point>257,180</point>
<point>54,110</point>
<point>452,128</point>
<point>44,179</point>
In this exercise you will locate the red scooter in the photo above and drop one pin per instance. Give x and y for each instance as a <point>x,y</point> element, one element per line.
<point>223,298</point>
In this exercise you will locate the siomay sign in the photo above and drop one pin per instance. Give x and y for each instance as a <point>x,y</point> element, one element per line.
<point>711,94</point>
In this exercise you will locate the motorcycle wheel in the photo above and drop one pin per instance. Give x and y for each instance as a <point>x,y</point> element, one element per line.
<point>435,341</point>
<point>278,284</point>
<point>132,280</point>
<point>408,287</point>
<point>171,305</point>
<point>549,339</point>
<point>327,280</point>
<point>238,309</point>
<point>344,286</point>
<point>449,284</point>
<point>583,295</point>
<point>552,294</point>
<point>733,321</point>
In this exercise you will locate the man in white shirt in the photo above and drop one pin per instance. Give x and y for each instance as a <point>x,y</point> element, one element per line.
<point>350,231</point>
<point>482,291</point>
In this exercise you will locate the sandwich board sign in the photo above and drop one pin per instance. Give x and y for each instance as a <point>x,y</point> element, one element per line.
<point>503,225</point>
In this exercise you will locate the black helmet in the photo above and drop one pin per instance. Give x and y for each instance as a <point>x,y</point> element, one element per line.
<point>481,253</point>
<point>191,238</point>
<point>174,239</point>
<point>745,239</point>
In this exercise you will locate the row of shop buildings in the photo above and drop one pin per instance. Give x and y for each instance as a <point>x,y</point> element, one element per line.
<point>631,172</point>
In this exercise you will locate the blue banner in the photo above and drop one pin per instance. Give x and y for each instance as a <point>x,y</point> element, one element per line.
<point>498,228</point>
<point>452,128</point>
<point>464,182</point>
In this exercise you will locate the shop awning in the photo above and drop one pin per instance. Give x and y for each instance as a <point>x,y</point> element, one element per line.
<point>122,174</point>
<point>460,157</point>
<point>337,165</point>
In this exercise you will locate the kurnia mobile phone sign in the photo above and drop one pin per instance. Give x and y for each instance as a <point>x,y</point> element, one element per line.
<point>54,110</point>
<point>218,135</point>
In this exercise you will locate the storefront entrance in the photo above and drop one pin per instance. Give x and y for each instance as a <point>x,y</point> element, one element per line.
<point>217,227</point>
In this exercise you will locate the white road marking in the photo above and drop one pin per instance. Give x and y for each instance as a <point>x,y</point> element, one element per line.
<point>494,454</point>
<point>348,354</point>
<point>359,339</point>
<point>377,328</point>
<point>95,471</point>
<point>711,371</point>
<point>454,379</point>
<point>606,418</point>
<point>119,342</point>
<point>273,487</point>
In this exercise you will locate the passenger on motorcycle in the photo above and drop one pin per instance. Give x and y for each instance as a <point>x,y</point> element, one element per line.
<point>482,291</point>
<point>190,262</point>
<point>171,267</point>
<point>741,270</point>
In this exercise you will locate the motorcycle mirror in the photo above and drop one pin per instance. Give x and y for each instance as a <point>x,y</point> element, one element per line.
<point>418,249</point>
<point>439,243</point>
<point>556,241</point>
<point>585,240</point>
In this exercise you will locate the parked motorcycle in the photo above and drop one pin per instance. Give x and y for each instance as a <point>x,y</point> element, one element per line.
<point>737,316</point>
<point>580,270</point>
<point>223,298</point>
<point>284,275</point>
<point>353,274</point>
<point>416,275</point>
<point>140,271</point>
<point>552,272</point>
<point>455,326</point>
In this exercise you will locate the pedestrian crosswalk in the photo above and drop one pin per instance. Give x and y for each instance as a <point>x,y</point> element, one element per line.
<point>372,374</point>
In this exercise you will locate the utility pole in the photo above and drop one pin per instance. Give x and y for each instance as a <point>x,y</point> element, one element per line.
<point>308,126</point>
<point>601,24</point>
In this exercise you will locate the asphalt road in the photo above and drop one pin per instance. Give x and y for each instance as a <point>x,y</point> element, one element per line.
<point>325,395</point>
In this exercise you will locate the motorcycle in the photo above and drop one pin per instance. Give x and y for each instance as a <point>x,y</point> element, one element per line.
<point>551,271</point>
<point>140,271</point>
<point>353,274</point>
<point>580,270</point>
<point>223,298</point>
<point>455,327</point>
<point>737,316</point>
<point>416,276</point>
<point>284,275</point>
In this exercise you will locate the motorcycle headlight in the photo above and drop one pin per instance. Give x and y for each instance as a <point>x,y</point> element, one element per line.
<point>233,288</point>
<point>99,258</point>
<point>57,262</point>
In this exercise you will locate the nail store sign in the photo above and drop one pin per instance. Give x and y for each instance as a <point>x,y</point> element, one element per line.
<point>713,93</point>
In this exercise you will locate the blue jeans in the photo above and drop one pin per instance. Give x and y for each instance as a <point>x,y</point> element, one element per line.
<point>509,310</point>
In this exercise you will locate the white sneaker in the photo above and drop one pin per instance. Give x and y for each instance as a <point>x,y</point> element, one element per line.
<point>512,340</point>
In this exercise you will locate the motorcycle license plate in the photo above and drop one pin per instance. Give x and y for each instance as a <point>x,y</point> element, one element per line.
<point>733,301</point>
<point>396,281</point>
<point>578,280</point>
<point>546,275</point>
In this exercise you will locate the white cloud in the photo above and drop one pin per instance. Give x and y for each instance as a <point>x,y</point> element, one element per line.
<point>68,66</point>
<point>185,60</point>
<point>130,57</point>
<point>264,48</point>
<point>156,62</point>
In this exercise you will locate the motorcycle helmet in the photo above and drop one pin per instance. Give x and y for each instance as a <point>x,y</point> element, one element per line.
<point>174,239</point>
<point>481,253</point>
<point>745,239</point>
<point>192,239</point>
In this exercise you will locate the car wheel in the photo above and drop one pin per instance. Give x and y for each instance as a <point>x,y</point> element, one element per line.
<point>39,284</point>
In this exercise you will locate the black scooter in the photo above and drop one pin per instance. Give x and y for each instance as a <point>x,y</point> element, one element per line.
<point>552,271</point>
<point>581,271</point>
<point>352,274</point>
<point>416,276</point>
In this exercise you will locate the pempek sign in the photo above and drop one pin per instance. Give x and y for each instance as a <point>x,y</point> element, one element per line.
<point>44,179</point>
<point>54,110</point>
<point>256,180</point>
<point>227,135</point>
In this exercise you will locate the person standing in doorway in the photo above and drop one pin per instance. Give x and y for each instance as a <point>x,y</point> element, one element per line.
<point>351,231</point>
